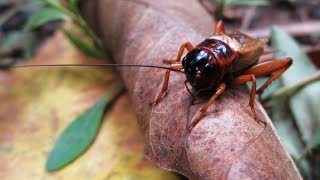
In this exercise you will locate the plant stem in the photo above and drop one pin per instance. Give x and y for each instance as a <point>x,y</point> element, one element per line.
<point>290,90</point>
<point>218,14</point>
<point>77,19</point>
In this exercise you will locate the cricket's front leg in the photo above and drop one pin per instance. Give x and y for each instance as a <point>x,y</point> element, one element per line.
<point>166,82</point>
<point>175,64</point>
<point>186,45</point>
<point>203,110</point>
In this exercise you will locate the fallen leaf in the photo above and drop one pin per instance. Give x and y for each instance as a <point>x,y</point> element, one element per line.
<point>227,143</point>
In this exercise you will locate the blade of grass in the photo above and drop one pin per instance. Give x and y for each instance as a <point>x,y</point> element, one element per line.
<point>11,40</point>
<point>248,2</point>
<point>44,16</point>
<point>20,40</point>
<point>292,89</point>
<point>223,4</point>
<point>73,5</point>
<point>97,49</point>
<point>31,45</point>
<point>80,134</point>
<point>85,47</point>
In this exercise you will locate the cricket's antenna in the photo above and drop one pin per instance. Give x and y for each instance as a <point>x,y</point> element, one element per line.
<point>97,65</point>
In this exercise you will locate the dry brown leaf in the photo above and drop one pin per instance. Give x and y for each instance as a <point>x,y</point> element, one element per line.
<point>227,143</point>
<point>38,103</point>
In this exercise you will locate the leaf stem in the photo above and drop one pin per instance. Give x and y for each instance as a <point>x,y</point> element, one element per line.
<point>77,19</point>
<point>290,90</point>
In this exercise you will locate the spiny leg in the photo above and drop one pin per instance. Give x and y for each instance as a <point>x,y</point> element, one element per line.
<point>189,47</point>
<point>203,110</point>
<point>219,28</point>
<point>186,85</point>
<point>244,79</point>
<point>273,67</point>
<point>190,92</point>
<point>186,45</point>
<point>166,82</point>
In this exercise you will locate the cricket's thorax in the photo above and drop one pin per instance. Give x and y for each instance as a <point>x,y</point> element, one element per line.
<point>220,58</point>
<point>248,49</point>
<point>206,65</point>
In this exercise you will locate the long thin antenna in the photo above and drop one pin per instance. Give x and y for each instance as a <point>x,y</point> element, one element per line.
<point>97,65</point>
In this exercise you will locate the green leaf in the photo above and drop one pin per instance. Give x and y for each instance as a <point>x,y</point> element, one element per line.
<point>315,140</point>
<point>10,41</point>
<point>74,5</point>
<point>290,90</point>
<point>247,2</point>
<point>44,16</point>
<point>304,104</point>
<point>284,123</point>
<point>84,46</point>
<point>223,4</point>
<point>79,135</point>
<point>74,2</point>
<point>21,40</point>
<point>31,45</point>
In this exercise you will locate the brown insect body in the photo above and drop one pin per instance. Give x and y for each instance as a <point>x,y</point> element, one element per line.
<point>220,58</point>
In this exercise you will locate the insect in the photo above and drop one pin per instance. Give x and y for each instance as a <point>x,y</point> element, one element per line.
<point>220,60</point>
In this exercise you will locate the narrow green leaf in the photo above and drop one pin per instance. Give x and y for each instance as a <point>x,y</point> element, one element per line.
<point>11,40</point>
<point>73,5</point>
<point>223,4</point>
<point>21,40</point>
<point>84,46</point>
<point>248,2</point>
<point>30,45</point>
<point>290,90</point>
<point>74,2</point>
<point>79,135</point>
<point>44,16</point>
<point>304,104</point>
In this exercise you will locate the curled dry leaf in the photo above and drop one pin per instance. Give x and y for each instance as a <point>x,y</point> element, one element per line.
<point>227,143</point>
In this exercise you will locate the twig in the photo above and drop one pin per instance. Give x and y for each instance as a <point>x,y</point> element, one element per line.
<point>295,29</point>
<point>290,90</point>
